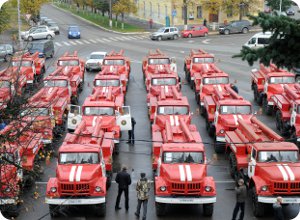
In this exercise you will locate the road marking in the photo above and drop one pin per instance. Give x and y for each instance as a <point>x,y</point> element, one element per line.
<point>206,41</point>
<point>106,40</point>
<point>126,38</point>
<point>139,37</point>
<point>78,42</point>
<point>93,41</point>
<point>113,39</point>
<point>66,43</point>
<point>191,41</point>
<point>58,44</point>
<point>100,40</point>
<point>72,42</point>
<point>87,42</point>
<point>119,38</point>
<point>131,38</point>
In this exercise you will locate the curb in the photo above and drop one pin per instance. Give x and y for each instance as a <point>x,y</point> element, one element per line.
<point>102,28</point>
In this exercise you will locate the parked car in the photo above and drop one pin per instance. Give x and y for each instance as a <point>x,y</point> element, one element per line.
<point>290,12</point>
<point>165,33</point>
<point>94,61</point>
<point>74,32</point>
<point>195,31</point>
<point>45,48</point>
<point>42,19</point>
<point>242,26</point>
<point>39,33</point>
<point>23,33</point>
<point>47,20</point>
<point>259,40</point>
<point>53,26</point>
<point>6,52</point>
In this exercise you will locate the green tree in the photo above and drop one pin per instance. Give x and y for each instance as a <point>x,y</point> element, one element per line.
<point>32,7</point>
<point>275,4</point>
<point>4,18</point>
<point>122,7</point>
<point>284,46</point>
<point>101,5</point>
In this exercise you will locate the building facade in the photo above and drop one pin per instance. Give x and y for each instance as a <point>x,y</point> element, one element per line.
<point>158,10</point>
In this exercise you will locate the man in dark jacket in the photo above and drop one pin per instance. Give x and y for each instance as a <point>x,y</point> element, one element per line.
<point>278,214</point>
<point>124,180</point>
<point>131,132</point>
<point>241,195</point>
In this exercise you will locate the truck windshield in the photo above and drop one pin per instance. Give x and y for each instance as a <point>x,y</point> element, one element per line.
<point>98,111</point>
<point>33,112</point>
<point>68,63</point>
<point>163,81</point>
<point>114,62</point>
<point>281,80</point>
<point>79,158</point>
<point>232,109</point>
<point>24,63</point>
<point>203,60</point>
<point>110,82</point>
<point>153,61</point>
<point>56,83</point>
<point>183,157</point>
<point>4,84</point>
<point>215,80</point>
<point>173,110</point>
<point>278,156</point>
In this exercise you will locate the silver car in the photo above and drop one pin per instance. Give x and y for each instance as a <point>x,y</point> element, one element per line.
<point>165,33</point>
<point>23,33</point>
<point>39,33</point>
<point>95,61</point>
<point>6,51</point>
<point>53,27</point>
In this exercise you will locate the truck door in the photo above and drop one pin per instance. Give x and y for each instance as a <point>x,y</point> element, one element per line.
<point>124,118</point>
<point>252,163</point>
<point>294,114</point>
<point>74,116</point>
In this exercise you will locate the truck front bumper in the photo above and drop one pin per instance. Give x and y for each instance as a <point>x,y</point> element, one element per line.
<point>185,200</point>
<point>74,201</point>
<point>8,201</point>
<point>285,200</point>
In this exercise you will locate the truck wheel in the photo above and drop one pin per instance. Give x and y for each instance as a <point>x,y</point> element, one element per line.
<point>109,179</point>
<point>160,209</point>
<point>100,210</point>
<point>192,84</point>
<point>208,209</point>
<point>197,98</point>
<point>232,163</point>
<point>202,110</point>
<point>187,76</point>
<point>266,108</point>
<point>53,210</point>
<point>12,210</point>
<point>258,208</point>
<point>256,95</point>
<point>219,147</point>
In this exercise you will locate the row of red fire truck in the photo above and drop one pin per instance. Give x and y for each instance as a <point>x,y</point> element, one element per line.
<point>178,152</point>
<point>84,169</point>
<point>42,118</point>
<point>268,164</point>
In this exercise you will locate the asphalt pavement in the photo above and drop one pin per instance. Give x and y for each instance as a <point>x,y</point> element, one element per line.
<point>138,157</point>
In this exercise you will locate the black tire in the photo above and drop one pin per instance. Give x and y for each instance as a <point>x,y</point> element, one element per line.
<point>54,211</point>
<point>226,32</point>
<point>161,209</point>
<point>30,38</point>
<point>188,77</point>
<point>202,110</point>
<point>74,100</point>
<point>245,30</point>
<point>192,84</point>
<point>159,38</point>
<point>109,179</point>
<point>190,36</point>
<point>175,37</point>
<point>49,37</point>
<point>232,164</point>
<point>266,108</point>
<point>52,54</point>
<point>12,210</point>
<point>257,207</point>
<point>100,210</point>
<point>255,93</point>
<point>208,209</point>
<point>219,147</point>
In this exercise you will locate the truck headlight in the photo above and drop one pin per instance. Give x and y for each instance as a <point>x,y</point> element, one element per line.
<point>208,188</point>
<point>53,189</point>
<point>222,131</point>
<point>98,189</point>
<point>264,188</point>
<point>163,188</point>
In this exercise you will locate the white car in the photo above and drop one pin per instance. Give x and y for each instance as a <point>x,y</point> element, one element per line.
<point>23,33</point>
<point>39,33</point>
<point>94,61</point>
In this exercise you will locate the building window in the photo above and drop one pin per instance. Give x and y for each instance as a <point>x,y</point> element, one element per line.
<point>150,9</point>
<point>199,11</point>
<point>158,11</point>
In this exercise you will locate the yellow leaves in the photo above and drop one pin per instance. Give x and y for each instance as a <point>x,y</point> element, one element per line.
<point>213,6</point>
<point>124,6</point>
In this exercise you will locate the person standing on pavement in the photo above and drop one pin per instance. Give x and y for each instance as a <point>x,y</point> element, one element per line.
<point>150,23</point>
<point>131,132</point>
<point>124,180</point>
<point>278,214</point>
<point>142,188</point>
<point>204,22</point>
<point>241,195</point>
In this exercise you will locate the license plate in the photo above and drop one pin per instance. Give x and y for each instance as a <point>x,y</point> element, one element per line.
<point>74,201</point>
<point>290,200</point>
<point>186,200</point>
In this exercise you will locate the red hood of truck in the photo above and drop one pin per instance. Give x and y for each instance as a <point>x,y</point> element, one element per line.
<point>232,120</point>
<point>277,88</point>
<point>183,172</point>
<point>278,171</point>
<point>4,94</point>
<point>8,172</point>
<point>78,172</point>
<point>106,120</point>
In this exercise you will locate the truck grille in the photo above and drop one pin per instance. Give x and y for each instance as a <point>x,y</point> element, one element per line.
<point>284,187</point>
<point>186,188</point>
<point>75,189</point>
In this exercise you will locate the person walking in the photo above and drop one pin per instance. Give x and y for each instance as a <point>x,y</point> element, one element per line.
<point>278,214</point>
<point>142,188</point>
<point>150,23</point>
<point>204,22</point>
<point>131,132</point>
<point>241,195</point>
<point>124,180</point>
